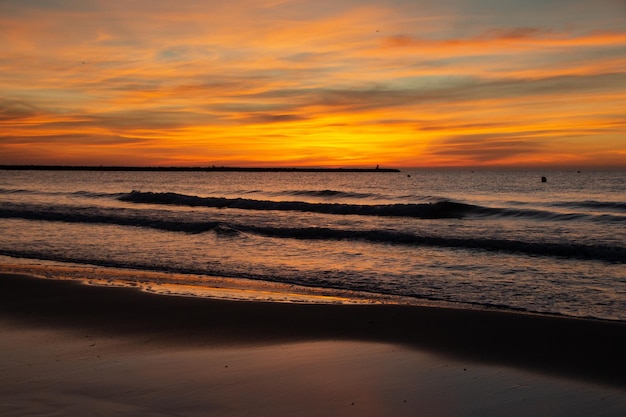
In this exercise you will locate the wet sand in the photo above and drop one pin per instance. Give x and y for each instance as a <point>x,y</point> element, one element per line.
<point>73,349</point>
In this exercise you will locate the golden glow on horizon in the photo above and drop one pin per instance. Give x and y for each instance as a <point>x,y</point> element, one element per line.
<point>308,84</point>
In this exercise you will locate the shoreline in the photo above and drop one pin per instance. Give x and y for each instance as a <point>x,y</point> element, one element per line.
<point>244,289</point>
<point>588,350</point>
<point>73,349</point>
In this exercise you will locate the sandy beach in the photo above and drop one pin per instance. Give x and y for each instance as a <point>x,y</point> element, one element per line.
<point>70,349</point>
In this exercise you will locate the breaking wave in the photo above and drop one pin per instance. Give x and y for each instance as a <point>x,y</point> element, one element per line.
<point>334,194</point>
<point>440,209</point>
<point>146,219</point>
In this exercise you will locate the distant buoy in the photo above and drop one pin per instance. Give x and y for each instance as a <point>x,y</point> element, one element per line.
<point>544,179</point>
<point>408,175</point>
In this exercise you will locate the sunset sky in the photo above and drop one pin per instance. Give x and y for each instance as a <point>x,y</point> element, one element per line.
<point>400,83</point>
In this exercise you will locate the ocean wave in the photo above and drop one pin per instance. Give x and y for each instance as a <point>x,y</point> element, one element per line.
<point>91,194</point>
<point>330,194</point>
<point>136,218</point>
<point>15,191</point>
<point>105,216</point>
<point>593,204</point>
<point>438,209</point>
<point>564,250</point>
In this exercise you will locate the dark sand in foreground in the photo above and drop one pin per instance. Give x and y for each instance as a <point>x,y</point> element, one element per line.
<point>69,349</point>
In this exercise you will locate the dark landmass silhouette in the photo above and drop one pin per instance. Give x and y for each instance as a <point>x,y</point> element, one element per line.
<point>187,169</point>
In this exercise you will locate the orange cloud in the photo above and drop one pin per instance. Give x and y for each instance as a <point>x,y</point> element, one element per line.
<point>521,37</point>
<point>294,83</point>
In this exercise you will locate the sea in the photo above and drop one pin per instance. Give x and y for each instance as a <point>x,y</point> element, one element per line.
<point>474,239</point>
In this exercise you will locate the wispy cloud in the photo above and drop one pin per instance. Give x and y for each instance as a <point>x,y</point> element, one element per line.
<point>317,83</point>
